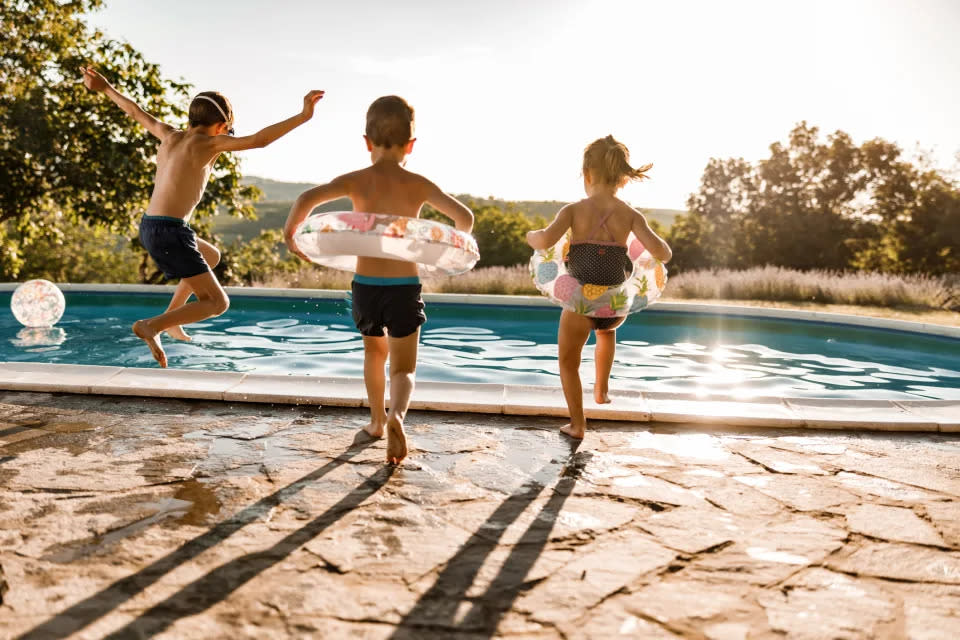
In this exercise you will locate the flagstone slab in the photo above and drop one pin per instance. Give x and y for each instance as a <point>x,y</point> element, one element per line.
<point>898,561</point>
<point>819,604</point>
<point>895,524</point>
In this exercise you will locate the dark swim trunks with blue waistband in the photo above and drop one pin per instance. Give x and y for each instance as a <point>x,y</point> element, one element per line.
<point>393,304</point>
<point>173,246</point>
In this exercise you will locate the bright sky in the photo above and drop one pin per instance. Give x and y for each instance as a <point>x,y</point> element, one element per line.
<point>507,93</point>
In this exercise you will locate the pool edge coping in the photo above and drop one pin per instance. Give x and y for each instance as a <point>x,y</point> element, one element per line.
<point>529,400</point>
<point>909,326</point>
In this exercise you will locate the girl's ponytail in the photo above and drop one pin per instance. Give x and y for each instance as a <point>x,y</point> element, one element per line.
<point>609,163</point>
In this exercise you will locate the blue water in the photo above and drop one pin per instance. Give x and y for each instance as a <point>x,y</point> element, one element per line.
<point>656,350</point>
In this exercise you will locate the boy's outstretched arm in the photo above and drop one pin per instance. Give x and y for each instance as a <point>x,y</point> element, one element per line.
<point>546,238</point>
<point>451,207</point>
<point>267,135</point>
<point>656,245</point>
<point>307,202</point>
<point>96,82</point>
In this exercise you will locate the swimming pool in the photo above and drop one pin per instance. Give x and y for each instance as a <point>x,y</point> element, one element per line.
<point>658,350</point>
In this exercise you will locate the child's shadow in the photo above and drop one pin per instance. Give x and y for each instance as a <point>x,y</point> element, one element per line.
<point>437,609</point>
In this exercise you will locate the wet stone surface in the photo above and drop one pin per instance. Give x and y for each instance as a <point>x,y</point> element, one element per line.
<point>128,518</point>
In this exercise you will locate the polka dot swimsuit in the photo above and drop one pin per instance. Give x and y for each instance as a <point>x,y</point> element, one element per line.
<point>598,262</point>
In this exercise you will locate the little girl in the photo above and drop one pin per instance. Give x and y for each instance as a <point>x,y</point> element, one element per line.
<point>599,226</point>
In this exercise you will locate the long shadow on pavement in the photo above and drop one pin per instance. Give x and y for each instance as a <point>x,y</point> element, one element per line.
<point>436,610</point>
<point>83,613</point>
<point>217,585</point>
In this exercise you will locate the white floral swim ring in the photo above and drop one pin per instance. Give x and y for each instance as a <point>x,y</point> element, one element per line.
<point>549,271</point>
<point>337,238</point>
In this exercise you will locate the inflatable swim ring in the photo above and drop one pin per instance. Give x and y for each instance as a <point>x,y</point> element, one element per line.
<point>643,287</point>
<point>336,240</point>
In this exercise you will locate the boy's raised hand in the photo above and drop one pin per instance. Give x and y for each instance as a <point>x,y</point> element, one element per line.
<point>93,80</point>
<point>309,101</point>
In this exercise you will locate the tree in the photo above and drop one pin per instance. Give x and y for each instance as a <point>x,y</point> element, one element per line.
<point>501,233</point>
<point>821,204</point>
<point>68,152</point>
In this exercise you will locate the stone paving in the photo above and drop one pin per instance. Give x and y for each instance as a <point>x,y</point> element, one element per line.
<point>130,518</point>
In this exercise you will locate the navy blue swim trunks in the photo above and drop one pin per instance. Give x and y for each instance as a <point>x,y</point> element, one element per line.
<point>173,246</point>
<point>391,303</point>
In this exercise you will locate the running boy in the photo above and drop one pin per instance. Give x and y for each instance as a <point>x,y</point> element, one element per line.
<point>184,162</point>
<point>599,226</point>
<point>386,293</point>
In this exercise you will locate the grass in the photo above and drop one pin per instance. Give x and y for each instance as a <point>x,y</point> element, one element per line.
<point>918,292</point>
<point>908,297</point>
<point>491,280</point>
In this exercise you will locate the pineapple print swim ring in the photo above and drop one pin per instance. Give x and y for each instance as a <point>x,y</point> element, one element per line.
<point>337,238</point>
<point>640,290</point>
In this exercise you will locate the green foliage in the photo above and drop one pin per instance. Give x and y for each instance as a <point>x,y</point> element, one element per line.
<point>500,233</point>
<point>821,205</point>
<point>246,262</point>
<point>78,251</point>
<point>269,215</point>
<point>73,153</point>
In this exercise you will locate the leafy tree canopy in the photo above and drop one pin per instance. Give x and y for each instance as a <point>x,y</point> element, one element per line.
<point>822,204</point>
<point>68,152</point>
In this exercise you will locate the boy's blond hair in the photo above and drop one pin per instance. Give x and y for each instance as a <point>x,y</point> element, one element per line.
<point>609,163</point>
<point>204,113</point>
<point>389,122</point>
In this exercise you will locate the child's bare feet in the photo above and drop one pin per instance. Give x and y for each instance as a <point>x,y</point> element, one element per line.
<point>574,431</point>
<point>602,396</point>
<point>374,428</point>
<point>177,333</point>
<point>396,441</point>
<point>152,338</point>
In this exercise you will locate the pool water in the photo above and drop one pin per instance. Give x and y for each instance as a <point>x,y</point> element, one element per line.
<point>656,350</point>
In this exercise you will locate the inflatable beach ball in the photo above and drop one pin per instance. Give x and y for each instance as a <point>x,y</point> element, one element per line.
<point>37,303</point>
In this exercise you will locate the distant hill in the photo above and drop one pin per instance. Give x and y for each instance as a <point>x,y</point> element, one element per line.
<point>276,191</point>
<point>278,196</point>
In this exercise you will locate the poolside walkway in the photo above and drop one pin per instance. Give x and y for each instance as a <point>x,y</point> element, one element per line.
<point>133,517</point>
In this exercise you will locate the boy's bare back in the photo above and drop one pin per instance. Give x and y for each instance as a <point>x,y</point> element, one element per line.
<point>387,188</point>
<point>185,160</point>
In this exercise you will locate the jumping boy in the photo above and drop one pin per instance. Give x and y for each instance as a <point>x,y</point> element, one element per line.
<point>184,162</point>
<point>386,293</point>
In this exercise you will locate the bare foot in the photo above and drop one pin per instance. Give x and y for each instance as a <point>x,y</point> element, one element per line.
<point>574,432</point>
<point>602,397</point>
<point>374,428</point>
<point>152,338</point>
<point>177,333</point>
<point>396,442</point>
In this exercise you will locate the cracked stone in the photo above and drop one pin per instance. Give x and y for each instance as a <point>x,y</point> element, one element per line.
<point>376,541</point>
<point>946,518</point>
<point>727,493</point>
<point>931,611</point>
<point>686,603</point>
<point>900,562</point>
<point>647,489</point>
<point>768,554</point>
<point>579,516</point>
<point>892,523</point>
<point>599,571</point>
<point>820,604</point>
<point>912,471</point>
<point>802,493</point>
<point>232,520</point>
<point>884,488</point>
<point>613,618</point>
<point>691,530</point>
<point>779,461</point>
